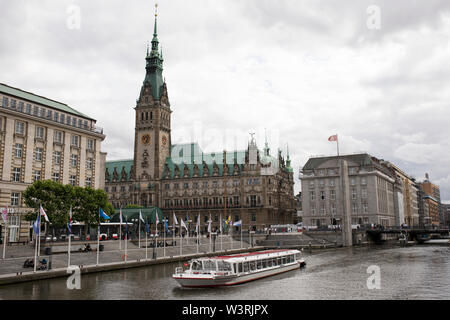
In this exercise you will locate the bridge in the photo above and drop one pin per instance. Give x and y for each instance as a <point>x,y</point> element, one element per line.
<point>412,234</point>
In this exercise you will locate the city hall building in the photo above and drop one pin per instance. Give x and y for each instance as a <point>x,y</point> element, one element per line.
<point>249,185</point>
<point>43,139</point>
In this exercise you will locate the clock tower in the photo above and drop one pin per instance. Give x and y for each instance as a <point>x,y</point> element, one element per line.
<point>152,131</point>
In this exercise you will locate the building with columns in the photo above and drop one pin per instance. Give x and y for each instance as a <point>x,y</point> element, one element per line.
<point>43,139</point>
<point>249,185</point>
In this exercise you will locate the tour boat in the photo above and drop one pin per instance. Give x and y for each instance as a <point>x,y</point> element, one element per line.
<point>237,268</point>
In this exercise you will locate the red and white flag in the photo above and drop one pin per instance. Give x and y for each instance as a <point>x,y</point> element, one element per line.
<point>44,214</point>
<point>333,138</point>
<point>5,214</point>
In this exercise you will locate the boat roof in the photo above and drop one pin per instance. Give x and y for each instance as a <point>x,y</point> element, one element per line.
<point>253,255</point>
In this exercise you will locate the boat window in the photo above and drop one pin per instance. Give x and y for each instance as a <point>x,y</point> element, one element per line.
<point>240,267</point>
<point>297,256</point>
<point>264,263</point>
<point>284,260</point>
<point>196,265</point>
<point>278,261</point>
<point>252,265</point>
<point>258,264</point>
<point>234,268</point>
<point>209,265</point>
<point>245,266</point>
<point>223,266</point>
<point>292,258</point>
<point>269,262</point>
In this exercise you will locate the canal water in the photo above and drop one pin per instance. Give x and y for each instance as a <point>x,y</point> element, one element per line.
<point>418,272</point>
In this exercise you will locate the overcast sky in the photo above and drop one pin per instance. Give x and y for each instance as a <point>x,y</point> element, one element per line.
<point>374,72</point>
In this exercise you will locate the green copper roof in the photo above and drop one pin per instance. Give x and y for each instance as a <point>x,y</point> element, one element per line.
<point>40,100</point>
<point>148,214</point>
<point>154,67</point>
<point>119,165</point>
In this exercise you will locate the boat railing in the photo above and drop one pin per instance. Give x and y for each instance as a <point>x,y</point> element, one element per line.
<point>178,270</point>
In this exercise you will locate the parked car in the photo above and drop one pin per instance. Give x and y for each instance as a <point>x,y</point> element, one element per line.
<point>115,236</point>
<point>103,236</point>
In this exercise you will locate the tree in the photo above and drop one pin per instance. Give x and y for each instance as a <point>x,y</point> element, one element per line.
<point>54,197</point>
<point>133,206</point>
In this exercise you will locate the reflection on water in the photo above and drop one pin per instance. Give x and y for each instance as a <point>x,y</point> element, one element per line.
<point>420,272</point>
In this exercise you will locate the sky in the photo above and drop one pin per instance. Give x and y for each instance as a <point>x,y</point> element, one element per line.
<point>373,72</point>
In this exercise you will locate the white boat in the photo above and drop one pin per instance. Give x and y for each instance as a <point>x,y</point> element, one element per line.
<point>237,268</point>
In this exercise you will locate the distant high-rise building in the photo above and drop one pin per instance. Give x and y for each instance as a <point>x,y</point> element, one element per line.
<point>432,195</point>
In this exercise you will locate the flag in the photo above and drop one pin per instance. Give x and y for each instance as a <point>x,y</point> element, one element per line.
<point>197,226</point>
<point>146,226</point>
<point>228,220</point>
<point>220,223</point>
<point>120,216</point>
<point>103,214</point>
<point>237,223</point>
<point>333,138</point>
<point>36,226</point>
<point>157,218</point>
<point>183,225</point>
<point>166,225</point>
<point>209,224</point>
<point>69,224</point>
<point>175,221</point>
<point>5,214</point>
<point>140,216</point>
<point>43,214</point>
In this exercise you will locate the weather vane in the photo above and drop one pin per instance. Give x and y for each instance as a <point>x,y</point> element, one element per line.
<point>156,9</point>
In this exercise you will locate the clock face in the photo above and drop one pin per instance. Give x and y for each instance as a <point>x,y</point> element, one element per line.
<point>164,140</point>
<point>145,139</point>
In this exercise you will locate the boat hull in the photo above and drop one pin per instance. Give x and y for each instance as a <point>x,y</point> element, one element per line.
<point>198,281</point>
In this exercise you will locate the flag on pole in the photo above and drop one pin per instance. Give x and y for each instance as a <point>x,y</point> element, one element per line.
<point>166,225</point>
<point>103,214</point>
<point>333,138</point>
<point>36,226</point>
<point>69,224</point>
<point>209,224</point>
<point>43,213</point>
<point>175,221</point>
<point>183,225</point>
<point>237,223</point>
<point>140,216</point>
<point>157,218</point>
<point>146,226</point>
<point>228,220</point>
<point>5,214</point>
<point>197,226</point>
<point>120,216</point>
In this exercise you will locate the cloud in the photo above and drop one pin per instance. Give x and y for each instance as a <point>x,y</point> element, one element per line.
<point>302,70</point>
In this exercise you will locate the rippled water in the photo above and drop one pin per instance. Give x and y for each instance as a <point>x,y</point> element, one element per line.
<point>419,272</point>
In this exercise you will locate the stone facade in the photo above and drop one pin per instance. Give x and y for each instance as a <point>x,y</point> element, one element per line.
<point>368,194</point>
<point>42,139</point>
<point>248,185</point>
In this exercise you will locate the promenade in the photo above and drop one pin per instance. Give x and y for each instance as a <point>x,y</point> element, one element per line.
<point>113,256</point>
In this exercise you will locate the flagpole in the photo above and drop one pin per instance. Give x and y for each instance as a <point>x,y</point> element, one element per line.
<point>241,233</point>
<point>337,144</point>
<point>39,236</point>
<point>120,230</point>
<point>181,242</point>
<point>164,237</point>
<point>139,232</point>
<point>98,236</point>
<point>70,237</point>
<point>146,241</point>
<point>5,238</point>
<point>35,246</point>
<point>210,227</point>
<point>126,239</point>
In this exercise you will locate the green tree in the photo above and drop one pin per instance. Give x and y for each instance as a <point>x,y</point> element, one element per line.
<point>54,197</point>
<point>87,202</point>
<point>133,206</point>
